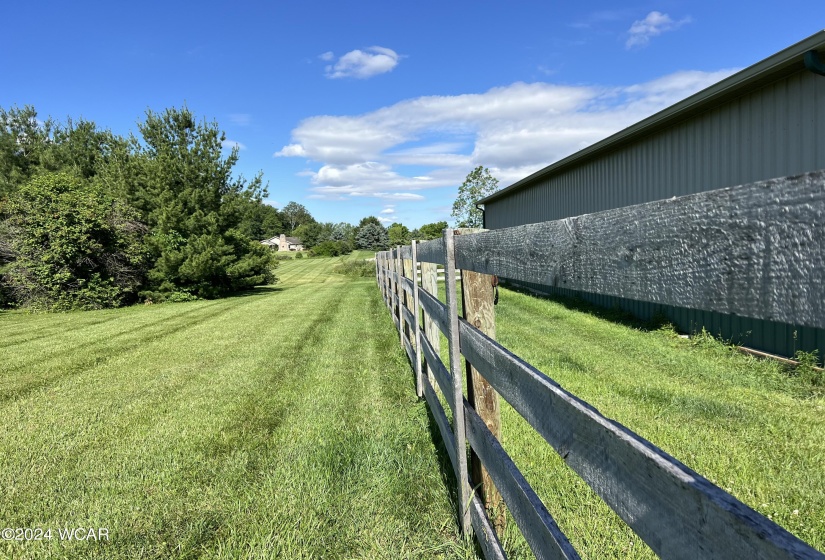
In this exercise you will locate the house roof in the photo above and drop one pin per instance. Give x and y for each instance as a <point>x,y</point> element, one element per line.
<point>277,240</point>
<point>777,66</point>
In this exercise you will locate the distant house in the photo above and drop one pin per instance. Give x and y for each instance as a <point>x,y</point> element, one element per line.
<point>284,243</point>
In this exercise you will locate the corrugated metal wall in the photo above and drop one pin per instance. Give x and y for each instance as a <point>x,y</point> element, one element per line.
<point>775,131</point>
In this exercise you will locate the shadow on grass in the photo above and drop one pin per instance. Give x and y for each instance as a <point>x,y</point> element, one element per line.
<point>614,314</point>
<point>256,291</point>
<point>447,472</point>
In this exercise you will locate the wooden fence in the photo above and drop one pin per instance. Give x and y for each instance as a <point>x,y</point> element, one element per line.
<point>756,250</point>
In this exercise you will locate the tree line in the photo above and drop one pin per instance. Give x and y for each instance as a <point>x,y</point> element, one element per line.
<point>330,239</point>
<point>90,219</point>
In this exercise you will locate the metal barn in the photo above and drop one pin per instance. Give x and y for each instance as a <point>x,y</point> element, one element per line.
<point>764,122</point>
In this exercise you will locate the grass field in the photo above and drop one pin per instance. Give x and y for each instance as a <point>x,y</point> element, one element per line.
<point>283,424</point>
<point>743,423</point>
<point>279,424</point>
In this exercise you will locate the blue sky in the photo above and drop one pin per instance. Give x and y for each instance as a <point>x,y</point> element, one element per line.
<point>382,108</point>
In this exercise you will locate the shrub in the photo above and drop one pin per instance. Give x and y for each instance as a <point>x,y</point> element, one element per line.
<point>356,267</point>
<point>69,245</point>
<point>807,369</point>
<point>331,249</point>
<point>178,297</point>
<point>299,255</point>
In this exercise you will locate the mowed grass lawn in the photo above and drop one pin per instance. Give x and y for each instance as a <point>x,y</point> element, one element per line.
<point>283,424</point>
<point>279,424</point>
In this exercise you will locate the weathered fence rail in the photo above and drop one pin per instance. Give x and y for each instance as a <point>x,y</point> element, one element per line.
<point>756,250</point>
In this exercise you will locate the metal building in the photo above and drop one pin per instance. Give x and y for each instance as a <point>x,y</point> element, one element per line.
<point>764,122</point>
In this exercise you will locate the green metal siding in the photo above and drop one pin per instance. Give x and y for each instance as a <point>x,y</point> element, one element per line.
<point>768,336</point>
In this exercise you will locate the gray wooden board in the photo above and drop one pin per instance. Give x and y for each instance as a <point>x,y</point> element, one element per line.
<point>419,391</point>
<point>407,284</point>
<point>755,250</point>
<point>431,251</point>
<point>485,534</point>
<point>406,252</point>
<point>429,283</point>
<point>408,316</point>
<point>395,320</point>
<point>408,348</point>
<point>441,420</point>
<point>436,310</point>
<point>442,376</point>
<point>456,371</point>
<point>676,511</point>
<point>539,528</point>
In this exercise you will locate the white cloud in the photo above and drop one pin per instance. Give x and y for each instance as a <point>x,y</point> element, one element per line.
<point>514,130</point>
<point>395,196</point>
<point>388,210</point>
<point>292,150</point>
<point>595,19</point>
<point>361,63</point>
<point>230,144</point>
<point>240,119</point>
<point>384,220</point>
<point>327,56</point>
<point>654,24</point>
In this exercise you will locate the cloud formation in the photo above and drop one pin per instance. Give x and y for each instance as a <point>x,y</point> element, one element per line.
<point>398,152</point>
<point>654,24</point>
<point>240,119</point>
<point>231,144</point>
<point>361,64</point>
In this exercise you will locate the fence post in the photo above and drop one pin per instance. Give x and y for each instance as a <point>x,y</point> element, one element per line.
<point>455,370</point>
<point>379,275</point>
<point>477,302</point>
<point>385,279</point>
<point>399,291</point>
<point>419,383</point>
<point>429,281</point>
<point>408,304</point>
<point>393,282</point>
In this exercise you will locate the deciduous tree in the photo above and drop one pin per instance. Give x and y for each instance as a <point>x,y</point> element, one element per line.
<point>478,184</point>
<point>430,231</point>
<point>399,234</point>
<point>294,215</point>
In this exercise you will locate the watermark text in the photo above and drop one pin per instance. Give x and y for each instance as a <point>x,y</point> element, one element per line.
<point>56,533</point>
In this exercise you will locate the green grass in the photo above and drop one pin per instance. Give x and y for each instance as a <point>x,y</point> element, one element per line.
<point>279,424</point>
<point>745,424</point>
<point>283,424</point>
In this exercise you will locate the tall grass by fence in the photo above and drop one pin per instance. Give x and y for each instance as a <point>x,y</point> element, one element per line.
<point>756,250</point>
